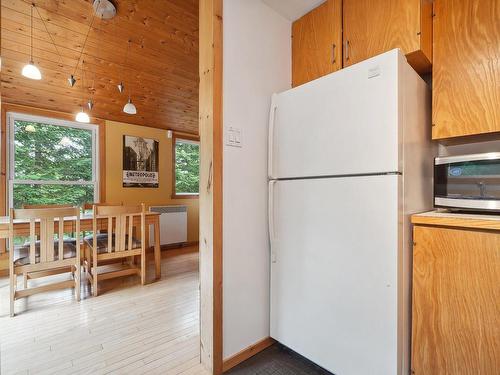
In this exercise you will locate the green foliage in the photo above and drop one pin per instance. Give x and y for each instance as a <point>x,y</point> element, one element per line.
<point>46,152</point>
<point>187,168</point>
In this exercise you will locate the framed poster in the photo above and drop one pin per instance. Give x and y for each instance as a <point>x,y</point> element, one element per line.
<point>140,162</point>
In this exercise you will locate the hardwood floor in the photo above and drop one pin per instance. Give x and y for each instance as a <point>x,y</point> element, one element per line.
<point>129,328</point>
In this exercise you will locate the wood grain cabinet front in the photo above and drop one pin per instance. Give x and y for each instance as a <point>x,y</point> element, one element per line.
<point>317,43</point>
<point>371,27</point>
<point>466,68</point>
<point>456,301</point>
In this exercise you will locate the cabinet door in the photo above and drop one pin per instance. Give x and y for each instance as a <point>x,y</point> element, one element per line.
<point>372,27</point>
<point>466,76</point>
<point>456,301</point>
<point>317,43</point>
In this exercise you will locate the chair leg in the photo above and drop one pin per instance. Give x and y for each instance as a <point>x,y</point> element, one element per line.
<point>25,280</point>
<point>143,268</point>
<point>12,293</point>
<point>78,275</point>
<point>94,272</point>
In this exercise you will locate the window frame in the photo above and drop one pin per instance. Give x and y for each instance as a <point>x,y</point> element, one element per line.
<point>11,117</point>
<point>191,139</point>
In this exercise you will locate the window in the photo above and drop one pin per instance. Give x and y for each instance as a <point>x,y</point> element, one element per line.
<point>186,158</point>
<point>51,161</point>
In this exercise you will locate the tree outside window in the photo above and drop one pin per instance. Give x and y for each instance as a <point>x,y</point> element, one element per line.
<point>186,157</point>
<point>51,162</point>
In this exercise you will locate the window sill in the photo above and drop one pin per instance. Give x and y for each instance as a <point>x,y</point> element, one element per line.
<point>185,196</point>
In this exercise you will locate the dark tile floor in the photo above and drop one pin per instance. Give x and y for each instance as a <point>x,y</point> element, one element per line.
<point>277,360</point>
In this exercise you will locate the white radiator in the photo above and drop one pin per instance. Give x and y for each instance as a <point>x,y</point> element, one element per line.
<point>173,224</point>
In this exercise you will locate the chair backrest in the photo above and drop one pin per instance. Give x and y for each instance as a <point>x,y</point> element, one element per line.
<point>44,221</point>
<point>31,206</point>
<point>120,225</point>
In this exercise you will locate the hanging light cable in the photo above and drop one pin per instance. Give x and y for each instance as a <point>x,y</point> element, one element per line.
<point>30,70</point>
<point>50,35</point>
<point>72,79</point>
<point>82,116</point>
<point>120,86</point>
<point>90,102</point>
<point>129,107</point>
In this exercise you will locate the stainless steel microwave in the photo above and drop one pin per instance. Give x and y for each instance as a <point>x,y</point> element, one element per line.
<point>468,182</point>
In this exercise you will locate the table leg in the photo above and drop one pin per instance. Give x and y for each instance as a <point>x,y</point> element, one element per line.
<point>157,248</point>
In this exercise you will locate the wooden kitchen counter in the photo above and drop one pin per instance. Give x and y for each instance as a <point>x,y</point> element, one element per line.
<point>445,218</point>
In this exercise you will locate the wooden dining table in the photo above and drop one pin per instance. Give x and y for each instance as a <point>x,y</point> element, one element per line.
<point>22,228</point>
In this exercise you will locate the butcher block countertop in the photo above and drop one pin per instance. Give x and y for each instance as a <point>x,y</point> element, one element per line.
<point>459,220</point>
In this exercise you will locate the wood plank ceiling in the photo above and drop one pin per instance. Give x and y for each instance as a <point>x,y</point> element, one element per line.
<point>161,72</point>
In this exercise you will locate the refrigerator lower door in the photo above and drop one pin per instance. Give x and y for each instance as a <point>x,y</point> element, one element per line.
<point>334,271</point>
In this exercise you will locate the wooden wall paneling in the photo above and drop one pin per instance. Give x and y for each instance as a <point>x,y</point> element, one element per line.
<point>456,304</point>
<point>210,199</point>
<point>161,71</point>
<point>373,27</point>
<point>317,43</point>
<point>466,74</point>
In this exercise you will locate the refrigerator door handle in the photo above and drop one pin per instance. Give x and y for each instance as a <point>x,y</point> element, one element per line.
<point>270,220</point>
<point>272,117</point>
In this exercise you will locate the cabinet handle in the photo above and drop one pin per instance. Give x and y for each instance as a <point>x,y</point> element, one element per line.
<point>347,50</point>
<point>333,53</point>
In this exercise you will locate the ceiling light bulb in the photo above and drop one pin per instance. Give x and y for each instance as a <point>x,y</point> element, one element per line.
<point>31,71</point>
<point>90,104</point>
<point>130,108</point>
<point>82,117</point>
<point>121,87</point>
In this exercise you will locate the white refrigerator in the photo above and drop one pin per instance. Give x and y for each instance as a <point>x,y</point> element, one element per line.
<point>350,158</point>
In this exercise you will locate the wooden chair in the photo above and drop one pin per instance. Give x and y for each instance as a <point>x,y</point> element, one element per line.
<point>118,243</point>
<point>27,276</point>
<point>45,255</point>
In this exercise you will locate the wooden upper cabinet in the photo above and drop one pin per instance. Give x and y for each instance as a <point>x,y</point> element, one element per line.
<point>372,27</point>
<point>466,74</point>
<point>317,43</point>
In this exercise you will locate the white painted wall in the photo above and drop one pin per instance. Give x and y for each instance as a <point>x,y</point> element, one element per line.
<point>257,63</point>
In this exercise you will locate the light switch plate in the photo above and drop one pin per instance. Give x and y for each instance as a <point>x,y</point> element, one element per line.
<point>234,137</point>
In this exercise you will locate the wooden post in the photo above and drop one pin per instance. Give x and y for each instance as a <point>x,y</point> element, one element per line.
<point>210,199</point>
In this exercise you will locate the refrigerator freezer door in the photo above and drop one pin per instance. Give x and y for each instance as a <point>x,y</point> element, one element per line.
<point>343,123</point>
<point>334,272</point>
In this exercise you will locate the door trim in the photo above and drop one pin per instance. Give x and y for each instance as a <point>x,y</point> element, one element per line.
<point>210,197</point>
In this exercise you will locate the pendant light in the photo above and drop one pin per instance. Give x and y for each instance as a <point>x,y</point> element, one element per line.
<point>129,107</point>
<point>71,80</point>
<point>82,116</point>
<point>30,70</point>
